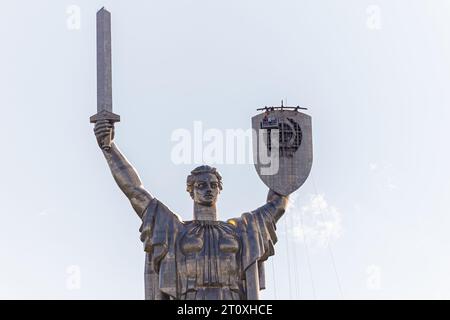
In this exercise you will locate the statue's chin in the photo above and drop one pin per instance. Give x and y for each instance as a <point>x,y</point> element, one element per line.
<point>206,203</point>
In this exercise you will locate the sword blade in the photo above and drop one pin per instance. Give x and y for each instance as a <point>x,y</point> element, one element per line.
<point>104,69</point>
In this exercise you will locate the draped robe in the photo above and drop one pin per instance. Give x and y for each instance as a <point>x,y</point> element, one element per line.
<point>204,260</point>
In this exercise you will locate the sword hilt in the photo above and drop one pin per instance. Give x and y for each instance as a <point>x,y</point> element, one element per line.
<point>111,117</point>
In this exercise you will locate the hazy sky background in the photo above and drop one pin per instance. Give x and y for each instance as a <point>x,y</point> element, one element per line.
<point>374,74</point>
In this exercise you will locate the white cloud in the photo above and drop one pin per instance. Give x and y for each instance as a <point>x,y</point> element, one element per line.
<point>315,221</point>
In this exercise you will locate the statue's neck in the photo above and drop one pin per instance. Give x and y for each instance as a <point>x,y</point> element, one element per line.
<point>202,212</point>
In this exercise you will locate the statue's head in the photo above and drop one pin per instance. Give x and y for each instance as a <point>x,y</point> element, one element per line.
<point>204,185</point>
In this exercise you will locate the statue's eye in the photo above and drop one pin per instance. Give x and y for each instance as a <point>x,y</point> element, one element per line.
<point>214,185</point>
<point>200,185</point>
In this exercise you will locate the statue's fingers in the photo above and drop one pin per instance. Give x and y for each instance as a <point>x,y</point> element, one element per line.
<point>101,126</point>
<point>106,125</point>
<point>102,123</point>
<point>103,130</point>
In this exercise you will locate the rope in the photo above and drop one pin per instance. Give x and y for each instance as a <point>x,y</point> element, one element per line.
<point>297,270</point>
<point>307,256</point>
<point>288,260</point>
<point>273,278</point>
<point>333,262</point>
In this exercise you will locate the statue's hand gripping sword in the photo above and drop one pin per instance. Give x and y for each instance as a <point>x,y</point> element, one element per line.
<point>104,74</point>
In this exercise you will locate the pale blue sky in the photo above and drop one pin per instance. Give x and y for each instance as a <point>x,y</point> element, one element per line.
<point>379,102</point>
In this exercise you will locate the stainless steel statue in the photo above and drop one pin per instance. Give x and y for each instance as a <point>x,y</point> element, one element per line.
<point>204,258</point>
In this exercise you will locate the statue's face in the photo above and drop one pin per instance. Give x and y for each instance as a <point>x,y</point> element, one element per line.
<point>206,189</point>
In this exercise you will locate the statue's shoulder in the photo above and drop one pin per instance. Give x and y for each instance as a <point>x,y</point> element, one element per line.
<point>233,222</point>
<point>156,208</point>
<point>238,222</point>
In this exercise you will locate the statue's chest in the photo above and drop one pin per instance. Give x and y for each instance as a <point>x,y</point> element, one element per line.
<point>210,255</point>
<point>209,239</point>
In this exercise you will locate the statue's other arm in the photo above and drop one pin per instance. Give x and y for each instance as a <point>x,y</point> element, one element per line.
<point>260,224</point>
<point>279,202</point>
<point>123,172</point>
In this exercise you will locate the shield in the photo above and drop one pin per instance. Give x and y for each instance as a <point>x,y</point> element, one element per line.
<point>282,149</point>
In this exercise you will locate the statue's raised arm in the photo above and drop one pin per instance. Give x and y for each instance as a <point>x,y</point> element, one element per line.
<point>159,224</point>
<point>123,172</point>
<point>279,203</point>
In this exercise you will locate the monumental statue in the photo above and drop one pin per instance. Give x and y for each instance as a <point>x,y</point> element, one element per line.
<point>205,258</point>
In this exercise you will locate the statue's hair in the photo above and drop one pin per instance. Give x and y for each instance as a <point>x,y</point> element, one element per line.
<point>202,169</point>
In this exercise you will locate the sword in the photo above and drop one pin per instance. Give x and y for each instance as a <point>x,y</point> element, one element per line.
<point>104,74</point>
